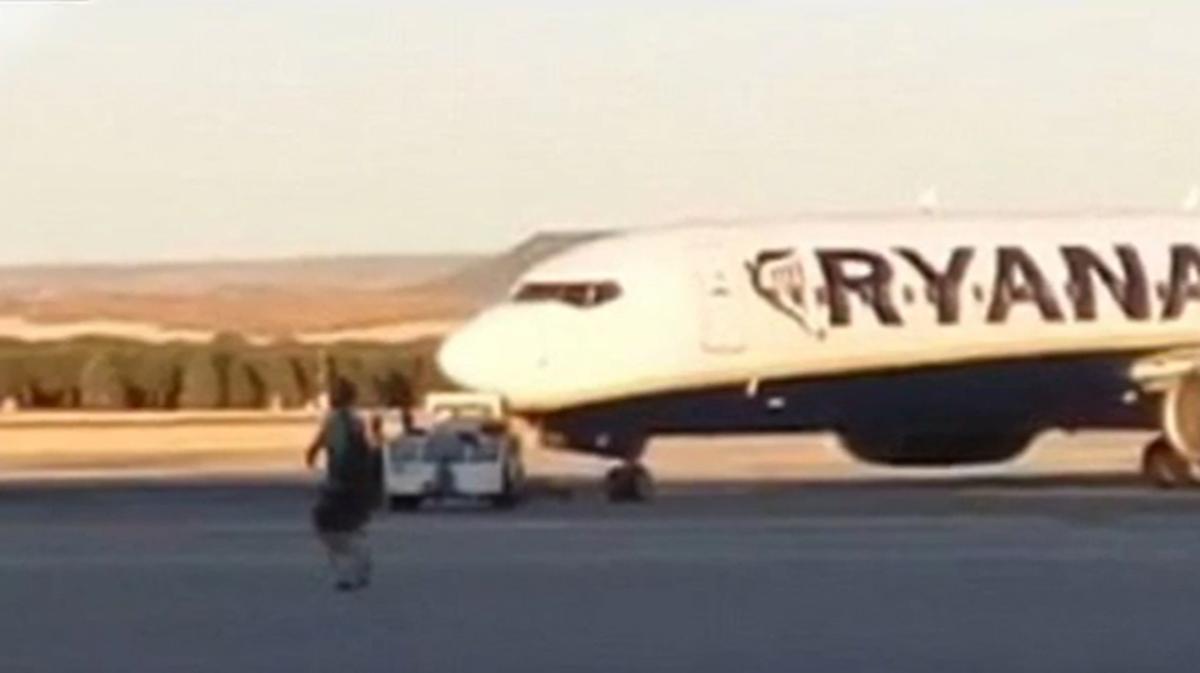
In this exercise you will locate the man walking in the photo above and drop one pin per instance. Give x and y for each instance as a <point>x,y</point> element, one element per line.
<point>346,494</point>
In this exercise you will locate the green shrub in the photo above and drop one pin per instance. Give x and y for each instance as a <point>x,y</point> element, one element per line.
<point>12,377</point>
<point>51,375</point>
<point>242,387</point>
<point>98,372</point>
<point>201,382</point>
<point>279,380</point>
<point>100,383</point>
<point>154,376</point>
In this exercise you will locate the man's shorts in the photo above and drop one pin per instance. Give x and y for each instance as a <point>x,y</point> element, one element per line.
<point>341,510</point>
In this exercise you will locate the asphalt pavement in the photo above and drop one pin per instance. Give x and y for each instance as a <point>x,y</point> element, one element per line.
<point>985,574</point>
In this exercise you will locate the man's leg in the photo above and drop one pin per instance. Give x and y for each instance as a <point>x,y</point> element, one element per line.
<point>360,552</point>
<point>341,557</point>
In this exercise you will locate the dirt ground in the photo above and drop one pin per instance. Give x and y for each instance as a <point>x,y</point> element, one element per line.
<point>254,443</point>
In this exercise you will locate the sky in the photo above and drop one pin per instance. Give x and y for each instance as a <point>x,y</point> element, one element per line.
<point>171,130</point>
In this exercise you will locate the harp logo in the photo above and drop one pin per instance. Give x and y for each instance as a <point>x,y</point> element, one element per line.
<point>778,277</point>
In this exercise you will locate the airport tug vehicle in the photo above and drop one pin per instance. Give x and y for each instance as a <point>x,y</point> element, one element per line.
<point>466,451</point>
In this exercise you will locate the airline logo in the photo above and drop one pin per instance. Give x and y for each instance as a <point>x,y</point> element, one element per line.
<point>1117,275</point>
<point>777,277</point>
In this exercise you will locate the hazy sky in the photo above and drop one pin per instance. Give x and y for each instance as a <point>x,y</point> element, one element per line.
<point>134,130</point>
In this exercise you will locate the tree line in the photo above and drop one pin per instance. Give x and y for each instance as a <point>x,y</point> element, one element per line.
<point>226,373</point>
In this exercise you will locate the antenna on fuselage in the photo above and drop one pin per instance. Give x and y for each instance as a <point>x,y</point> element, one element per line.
<point>929,202</point>
<point>1191,202</point>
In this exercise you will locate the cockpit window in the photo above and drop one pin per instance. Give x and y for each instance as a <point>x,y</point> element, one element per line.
<point>580,295</point>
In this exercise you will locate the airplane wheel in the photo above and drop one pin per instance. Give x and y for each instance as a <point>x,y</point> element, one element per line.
<point>404,503</point>
<point>629,483</point>
<point>1163,467</point>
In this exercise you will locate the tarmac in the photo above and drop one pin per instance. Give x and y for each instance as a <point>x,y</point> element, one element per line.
<point>995,572</point>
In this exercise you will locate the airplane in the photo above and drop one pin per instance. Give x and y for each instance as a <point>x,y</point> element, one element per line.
<point>919,340</point>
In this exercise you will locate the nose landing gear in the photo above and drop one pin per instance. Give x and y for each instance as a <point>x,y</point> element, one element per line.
<point>629,482</point>
<point>1164,467</point>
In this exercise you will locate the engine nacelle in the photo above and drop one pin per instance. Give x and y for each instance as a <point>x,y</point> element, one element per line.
<point>1181,415</point>
<point>934,448</point>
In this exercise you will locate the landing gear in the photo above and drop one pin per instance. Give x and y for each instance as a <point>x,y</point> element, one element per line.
<point>404,503</point>
<point>629,482</point>
<point>1163,467</point>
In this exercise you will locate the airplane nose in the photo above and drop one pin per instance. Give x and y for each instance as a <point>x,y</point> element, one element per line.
<point>497,353</point>
<point>461,357</point>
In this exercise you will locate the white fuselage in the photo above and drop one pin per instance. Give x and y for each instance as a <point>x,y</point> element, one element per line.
<point>701,306</point>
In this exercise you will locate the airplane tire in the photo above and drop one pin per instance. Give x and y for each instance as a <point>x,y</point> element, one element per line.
<point>404,503</point>
<point>1163,467</point>
<point>629,483</point>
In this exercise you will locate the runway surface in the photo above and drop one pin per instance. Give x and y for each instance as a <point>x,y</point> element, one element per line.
<point>979,574</point>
